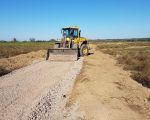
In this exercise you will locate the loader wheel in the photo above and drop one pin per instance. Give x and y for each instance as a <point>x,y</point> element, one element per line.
<point>84,51</point>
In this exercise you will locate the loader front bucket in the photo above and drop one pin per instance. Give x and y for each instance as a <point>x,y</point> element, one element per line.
<point>62,54</point>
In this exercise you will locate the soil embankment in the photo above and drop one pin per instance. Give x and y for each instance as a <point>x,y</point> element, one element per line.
<point>10,64</point>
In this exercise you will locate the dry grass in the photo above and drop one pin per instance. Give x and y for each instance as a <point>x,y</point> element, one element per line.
<point>135,56</point>
<point>9,49</point>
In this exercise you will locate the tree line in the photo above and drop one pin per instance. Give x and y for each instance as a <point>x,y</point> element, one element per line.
<point>30,40</point>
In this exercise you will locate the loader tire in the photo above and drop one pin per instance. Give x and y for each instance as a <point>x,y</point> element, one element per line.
<point>84,50</point>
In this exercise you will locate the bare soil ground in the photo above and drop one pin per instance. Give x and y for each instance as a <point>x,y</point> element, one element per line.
<point>105,91</point>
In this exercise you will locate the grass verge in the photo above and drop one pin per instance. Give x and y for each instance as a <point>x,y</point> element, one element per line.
<point>134,56</point>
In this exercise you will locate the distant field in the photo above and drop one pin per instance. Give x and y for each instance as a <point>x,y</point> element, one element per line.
<point>9,49</point>
<point>134,56</point>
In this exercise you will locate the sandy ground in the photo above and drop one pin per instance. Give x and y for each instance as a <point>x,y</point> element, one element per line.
<point>105,91</point>
<point>38,91</point>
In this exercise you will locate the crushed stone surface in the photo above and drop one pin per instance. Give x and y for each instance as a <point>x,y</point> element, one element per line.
<point>39,91</point>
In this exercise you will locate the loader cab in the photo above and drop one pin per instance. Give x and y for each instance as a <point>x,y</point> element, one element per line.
<point>71,32</point>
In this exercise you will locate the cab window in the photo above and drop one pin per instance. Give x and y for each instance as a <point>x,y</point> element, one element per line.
<point>75,33</point>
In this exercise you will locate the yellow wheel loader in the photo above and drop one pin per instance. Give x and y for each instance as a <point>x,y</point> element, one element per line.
<point>70,47</point>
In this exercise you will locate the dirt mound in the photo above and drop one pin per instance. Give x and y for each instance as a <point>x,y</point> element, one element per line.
<point>9,64</point>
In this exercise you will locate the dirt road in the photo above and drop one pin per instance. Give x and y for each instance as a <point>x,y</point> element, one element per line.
<point>37,91</point>
<point>105,91</point>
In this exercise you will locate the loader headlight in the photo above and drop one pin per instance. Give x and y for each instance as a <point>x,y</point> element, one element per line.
<point>67,39</point>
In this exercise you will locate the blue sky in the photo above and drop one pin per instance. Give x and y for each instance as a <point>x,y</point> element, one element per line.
<point>43,19</point>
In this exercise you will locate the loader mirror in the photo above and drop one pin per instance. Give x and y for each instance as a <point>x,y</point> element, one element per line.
<point>79,33</point>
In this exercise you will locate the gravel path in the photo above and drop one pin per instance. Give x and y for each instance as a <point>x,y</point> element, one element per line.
<point>38,91</point>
